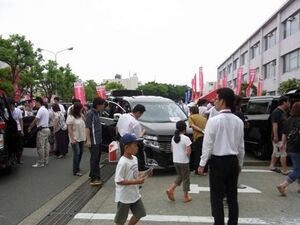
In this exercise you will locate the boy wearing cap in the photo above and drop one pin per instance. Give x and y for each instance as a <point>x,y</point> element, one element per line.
<point>128,179</point>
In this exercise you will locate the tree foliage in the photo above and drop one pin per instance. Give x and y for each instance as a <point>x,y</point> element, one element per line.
<point>90,90</point>
<point>164,90</point>
<point>244,87</point>
<point>113,86</point>
<point>289,84</point>
<point>6,81</point>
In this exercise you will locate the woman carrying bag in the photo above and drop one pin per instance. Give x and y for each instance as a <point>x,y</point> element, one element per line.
<point>76,131</point>
<point>60,132</point>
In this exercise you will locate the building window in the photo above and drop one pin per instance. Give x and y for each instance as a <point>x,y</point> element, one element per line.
<point>243,58</point>
<point>270,39</point>
<point>291,25</point>
<point>234,83</point>
<point>291,61</point>
<point>245,78</point>
<point>254,50</point>
<point>229,68</point>
<point>235,64</point>
<point>270,69</point>
<point>256,73</point>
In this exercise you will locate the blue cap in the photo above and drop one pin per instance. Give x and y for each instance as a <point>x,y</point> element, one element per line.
<point>128,138</point>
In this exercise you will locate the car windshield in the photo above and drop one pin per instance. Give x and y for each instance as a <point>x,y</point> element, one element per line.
<point>257,107</point>
<point>161,112</point>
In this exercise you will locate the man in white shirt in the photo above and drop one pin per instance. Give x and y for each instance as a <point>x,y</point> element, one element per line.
<point>183,106</point>
<point>128,123</point>
<point>42,122</point>
<point>224,145</point>
<point>61,107</point>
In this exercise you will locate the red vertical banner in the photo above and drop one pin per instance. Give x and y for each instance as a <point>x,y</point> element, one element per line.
<point>79,92</point>
<point>239,80</point>
<point>252,73</point>
<point>17,91</point>
<point>259,86</point>
<point>201,84</point>
<point>194,87</point>
<point>101,91</point>
<point>225,79</point>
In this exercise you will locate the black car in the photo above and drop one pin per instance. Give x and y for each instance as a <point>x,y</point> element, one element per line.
<point>159,120</point>
<point>7,127</point>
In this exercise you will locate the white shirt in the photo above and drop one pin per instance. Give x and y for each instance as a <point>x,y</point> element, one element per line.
<point>184,107</point>
<point>62,108</point>
<point>212,112</point>
<point>43,117</point>
<point>224,135</point>
<point>17,115</point>
<point>179,149</point>
<point>127,123</point>
<point>202,110</point>
<point>127,169</point>
<point>78,126</point>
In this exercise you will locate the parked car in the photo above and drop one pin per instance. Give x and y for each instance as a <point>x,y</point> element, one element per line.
<point>159,120</point>
<point>7,125</point>
<point>259,129</point>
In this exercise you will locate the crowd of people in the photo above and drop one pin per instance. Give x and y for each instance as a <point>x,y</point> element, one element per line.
<point>56,128</point>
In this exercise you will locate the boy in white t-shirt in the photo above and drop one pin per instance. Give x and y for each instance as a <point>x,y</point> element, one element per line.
<point>128,179</point>
<point>181,148</point>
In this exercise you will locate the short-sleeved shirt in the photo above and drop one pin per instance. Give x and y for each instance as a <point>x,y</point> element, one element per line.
<point>279,116</point>
<point>78,126</point>
<point>289,125</point>
<point>43,117</point>
<point>199,121</point>
<point>127,123</point>
<point>93,122</point>
<point>127,169</point>
<point>17,115</point>
<point>179,149</point>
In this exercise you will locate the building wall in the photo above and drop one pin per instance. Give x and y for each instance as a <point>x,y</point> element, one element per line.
<point>130,83</point>
<point>271,57</point>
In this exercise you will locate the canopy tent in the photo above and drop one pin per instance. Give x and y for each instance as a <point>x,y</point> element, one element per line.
<point>209,96</point>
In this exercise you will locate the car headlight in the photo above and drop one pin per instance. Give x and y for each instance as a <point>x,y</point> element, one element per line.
<point>150,137</point>
<point>1,141</point>
<point>151,144</point>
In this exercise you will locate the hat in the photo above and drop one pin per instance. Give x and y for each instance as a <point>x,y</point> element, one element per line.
<point>128,138</point>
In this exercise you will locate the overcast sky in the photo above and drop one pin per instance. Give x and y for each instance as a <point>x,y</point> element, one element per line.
<point>161,40</point>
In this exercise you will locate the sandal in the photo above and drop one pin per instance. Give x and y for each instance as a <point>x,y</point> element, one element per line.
<point>276,170</point>
<point>78,174</point>
<point>281,189</point>
<point>285,173</point>
<point>170,195</point>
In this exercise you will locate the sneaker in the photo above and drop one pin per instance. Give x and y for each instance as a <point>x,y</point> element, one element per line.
<point>240,186</point>
<point>37,165</point>
<point>96,183</point>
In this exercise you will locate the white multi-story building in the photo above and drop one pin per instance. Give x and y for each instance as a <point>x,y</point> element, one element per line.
<point>273,50</point>
<point>130,83</point>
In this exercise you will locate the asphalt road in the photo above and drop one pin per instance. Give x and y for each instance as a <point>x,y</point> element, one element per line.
<point>26,188</point>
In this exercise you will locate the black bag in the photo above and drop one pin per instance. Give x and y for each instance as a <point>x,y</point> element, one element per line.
<point>293,137</point>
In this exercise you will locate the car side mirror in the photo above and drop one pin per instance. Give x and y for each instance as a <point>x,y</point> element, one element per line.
<point>116,116</point>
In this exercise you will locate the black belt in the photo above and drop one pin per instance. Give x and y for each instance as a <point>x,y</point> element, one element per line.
<point>219,156</point>
<point>41,128</point>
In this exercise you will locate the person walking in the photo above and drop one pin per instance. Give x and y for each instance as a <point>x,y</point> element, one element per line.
<point>16,148</point>
<point>181,149</point>
<point>197,122</point>
<point>278,117</point>
<point>77,135</point>
<point>127,180</point>
<point>94,139</point>
<point>225,150</point>
<point>291,144</point>
<point>60,132</point>
<point>41,120</point>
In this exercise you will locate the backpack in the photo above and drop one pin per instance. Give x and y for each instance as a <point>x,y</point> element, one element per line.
<point>293,137</point>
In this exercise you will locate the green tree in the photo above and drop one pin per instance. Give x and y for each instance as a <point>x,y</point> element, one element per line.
<point>18,53</point>
<point>6,82</point>
<point>244,87</point>
<point>113,86</point>
<point>289,84</point>
<point>90,90</point>
<point>65,85</point>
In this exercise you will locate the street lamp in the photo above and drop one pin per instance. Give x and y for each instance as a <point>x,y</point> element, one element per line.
<point>55,57</point>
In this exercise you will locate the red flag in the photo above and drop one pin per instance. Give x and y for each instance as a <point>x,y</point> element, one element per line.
<point>239,80</point>
<point>201,84</point>
<point>252,73</point>
<point>259,86</point>
<point>17,91</point>
<point>101,91</point>
<point>79,92</point>
<point>225,79</point>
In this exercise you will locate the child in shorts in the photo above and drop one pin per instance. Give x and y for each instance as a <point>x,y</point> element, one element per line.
<point>128,179</point>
